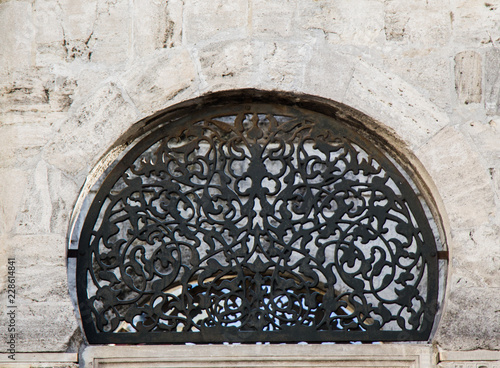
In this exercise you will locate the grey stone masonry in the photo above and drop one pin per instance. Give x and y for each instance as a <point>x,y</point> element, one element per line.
<point>76,77</point>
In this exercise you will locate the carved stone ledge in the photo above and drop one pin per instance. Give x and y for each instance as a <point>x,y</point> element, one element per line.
<point>469,359</point>
<point>253,356</point>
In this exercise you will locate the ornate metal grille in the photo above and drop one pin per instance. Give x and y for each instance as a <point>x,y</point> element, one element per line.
<point>256,223</point>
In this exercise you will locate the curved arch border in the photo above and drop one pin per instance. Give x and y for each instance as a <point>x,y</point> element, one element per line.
<point>412,127</point>
<point>360,122</point>
<point>223,100</point>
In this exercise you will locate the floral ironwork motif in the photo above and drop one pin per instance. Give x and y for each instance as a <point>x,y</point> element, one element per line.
<point>256,223</point>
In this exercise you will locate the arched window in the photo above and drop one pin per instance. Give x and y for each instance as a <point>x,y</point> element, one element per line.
<point>256,221</point>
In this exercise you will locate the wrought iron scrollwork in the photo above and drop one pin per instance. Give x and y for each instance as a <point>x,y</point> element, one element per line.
<point>256,223</point>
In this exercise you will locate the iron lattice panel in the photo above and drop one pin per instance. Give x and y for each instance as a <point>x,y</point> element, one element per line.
<point>256,223</point>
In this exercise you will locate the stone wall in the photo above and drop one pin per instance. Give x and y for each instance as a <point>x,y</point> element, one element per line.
<point>75,76</point>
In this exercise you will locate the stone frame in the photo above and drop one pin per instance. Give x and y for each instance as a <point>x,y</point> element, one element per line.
<point>358,125</point>
<point>449,167</point>
<point>256,356</point>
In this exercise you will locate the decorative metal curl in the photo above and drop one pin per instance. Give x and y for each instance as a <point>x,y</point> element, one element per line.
<point>256,223</point>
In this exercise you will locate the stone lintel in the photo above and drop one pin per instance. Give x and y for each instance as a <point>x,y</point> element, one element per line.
<point>237,355</point>
<point>31,359</point>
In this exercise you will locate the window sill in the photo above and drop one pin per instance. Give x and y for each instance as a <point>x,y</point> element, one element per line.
<point>253,356</point>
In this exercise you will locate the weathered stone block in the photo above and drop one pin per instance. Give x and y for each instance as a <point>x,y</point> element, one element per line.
<point>40,255</point>
<point>254,64</point>
<point>486,138</point>
<point>59,92</point>
<point>20,144</point>
<point>394,103</point>
<point>476,258</point>
<point>47,20</point>
<point>470,320</point>
<point>96,30</point>
<point>156,25</point>
<point>93,128</point>
<point>110,41</point>
<point>215,20</point>
<point>63,194</point>
<point>273,17</point>
<point>77,18</point>
<point>225,63</point>
<point>49,54</point>
<point>35,213</point>
<point>18,32</point>
<point>418,23</point>
<point>284,75</point>
<point>156,82</point>
<point>428,70</point>
<point>395,22</point>
<point>38,93</point>
<point>341,22</point>
<point>64,31</point>
<point>475,23</point>
<point>41,326</point>
<point>468,77</point>
<point>14,183</point>
<point>492,81</point>
<point>462,181</point>
<point>89,79</point>
<point>24,92</point>
<point>328,73</point>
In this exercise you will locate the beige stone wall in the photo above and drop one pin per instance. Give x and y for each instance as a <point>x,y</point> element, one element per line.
<point>76,75</point>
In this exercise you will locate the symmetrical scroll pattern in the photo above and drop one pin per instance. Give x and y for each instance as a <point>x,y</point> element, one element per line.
<point>256,223</point>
